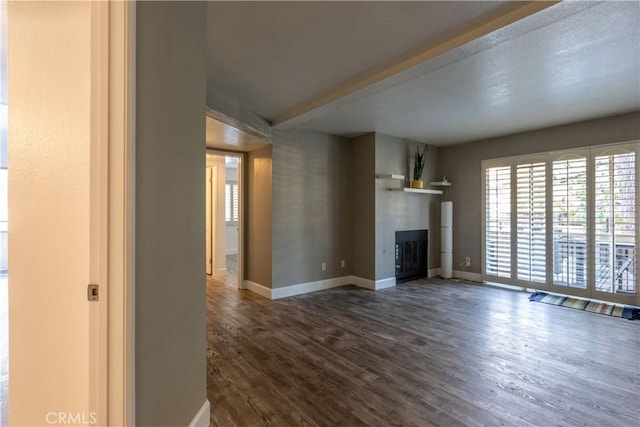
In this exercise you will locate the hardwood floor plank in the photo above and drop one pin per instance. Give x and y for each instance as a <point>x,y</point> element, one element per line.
<point>423,353</point>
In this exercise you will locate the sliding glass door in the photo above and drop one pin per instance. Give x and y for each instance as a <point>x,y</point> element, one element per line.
<point>564,222</point>
<point>615,224</point>
<point>569,207</point>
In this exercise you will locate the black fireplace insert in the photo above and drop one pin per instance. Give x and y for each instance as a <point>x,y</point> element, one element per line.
<point>411,255</point>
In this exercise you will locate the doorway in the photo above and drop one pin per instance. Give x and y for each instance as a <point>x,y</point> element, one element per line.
<point>224,217</point>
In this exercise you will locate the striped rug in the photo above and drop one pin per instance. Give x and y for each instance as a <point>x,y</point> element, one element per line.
<point>616,310</point>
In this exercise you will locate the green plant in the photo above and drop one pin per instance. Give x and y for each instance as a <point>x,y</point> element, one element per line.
<point>419,161</point>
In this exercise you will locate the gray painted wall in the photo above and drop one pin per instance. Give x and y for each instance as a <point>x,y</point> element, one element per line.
<point>258,202</point>
<point>363,229</point>
<point>170,254</point>
<point>328,206</point>
<point>311,207</point>
<point>398,211</point>
<point>462,163</point>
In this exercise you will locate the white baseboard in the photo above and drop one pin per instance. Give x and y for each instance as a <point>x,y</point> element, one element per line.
<point>510,287</point>
<point>434,272</point>
<point>385,283</point>
<point>221,271</point>
<point>305,288</point>
<point>374,285</point>
<point>257,288</point>
<point>203,417</point>
<point>361,282</point>
<point>467,275</point>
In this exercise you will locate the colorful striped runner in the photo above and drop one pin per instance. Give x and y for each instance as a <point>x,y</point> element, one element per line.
<point>610,309</point>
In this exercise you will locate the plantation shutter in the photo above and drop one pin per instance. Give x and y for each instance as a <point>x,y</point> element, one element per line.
<point>234,201</point>
<point>227,202</point>
<point>498,221</point>
<point>569,190</point>
<point>231,202</point>
<point>615,227</point>
<point>531,222</point>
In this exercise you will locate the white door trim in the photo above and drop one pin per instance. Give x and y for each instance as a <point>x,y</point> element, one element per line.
<point>241,225</point>
<point>209,220</point>
<point>99,211</point>
<point>121,65</point>
<point>240,231</point>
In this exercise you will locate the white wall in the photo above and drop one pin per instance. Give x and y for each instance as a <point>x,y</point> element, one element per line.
<point>231,242</point>
<point>49,155</point>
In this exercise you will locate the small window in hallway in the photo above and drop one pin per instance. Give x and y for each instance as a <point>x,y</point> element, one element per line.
<point>231,202</point>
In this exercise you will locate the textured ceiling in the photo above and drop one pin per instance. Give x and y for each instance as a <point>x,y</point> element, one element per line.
<point>272,55</point>
<point>570,62</point>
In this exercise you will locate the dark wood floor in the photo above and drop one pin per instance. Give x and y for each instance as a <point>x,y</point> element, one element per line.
<point>423,353</point>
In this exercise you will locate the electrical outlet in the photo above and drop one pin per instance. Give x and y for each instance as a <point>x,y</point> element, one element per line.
<point>342,264</point>
<point>467,262</point>
<point>324,266</point>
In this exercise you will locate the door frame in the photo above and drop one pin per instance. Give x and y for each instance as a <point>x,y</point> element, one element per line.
<point>113,125</point>
<point>111,77</point>
<point>241,226</point>
<point>211,208</point>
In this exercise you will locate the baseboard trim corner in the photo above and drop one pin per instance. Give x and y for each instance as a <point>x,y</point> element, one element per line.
<point>257,288</point>
<point>305,288</point>
<point>203,417</point>
<point>374,285</point>
<point>361,282</point>
<point>319,285</point>
<point>385,283</point>
<point>434,272</point>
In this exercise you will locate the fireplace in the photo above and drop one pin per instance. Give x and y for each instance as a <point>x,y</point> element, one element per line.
<point>411,255</point>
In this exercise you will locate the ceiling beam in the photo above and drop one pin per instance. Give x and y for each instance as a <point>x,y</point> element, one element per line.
<point>514,12</point>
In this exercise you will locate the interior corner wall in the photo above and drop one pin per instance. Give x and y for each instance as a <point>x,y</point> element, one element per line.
<point>363,225</point>
<point>170,298</point>
<point>397,210</point>
<point>258,214</point>
<point>311,207</point>
<point>462,164</point>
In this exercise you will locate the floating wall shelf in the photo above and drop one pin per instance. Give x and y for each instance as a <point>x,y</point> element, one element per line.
<point>441,184</point>
<point>389,176</point>
<point>417,190</point>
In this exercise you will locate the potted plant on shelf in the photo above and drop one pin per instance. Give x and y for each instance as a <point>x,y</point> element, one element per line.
<point>418,166</point>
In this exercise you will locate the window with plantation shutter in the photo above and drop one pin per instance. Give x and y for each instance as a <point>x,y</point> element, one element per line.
<point>564,221</point>
<point>231,202</point>
<point>615,223</point>
<point>531,222</point>
<point>569,191</point>
<point>498,221</point>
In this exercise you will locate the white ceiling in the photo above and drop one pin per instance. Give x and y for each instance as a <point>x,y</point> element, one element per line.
<point>287,61</point>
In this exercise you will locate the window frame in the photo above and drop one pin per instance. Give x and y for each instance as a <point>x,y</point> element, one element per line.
<point>590,153</point>
<point>234,210</point>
